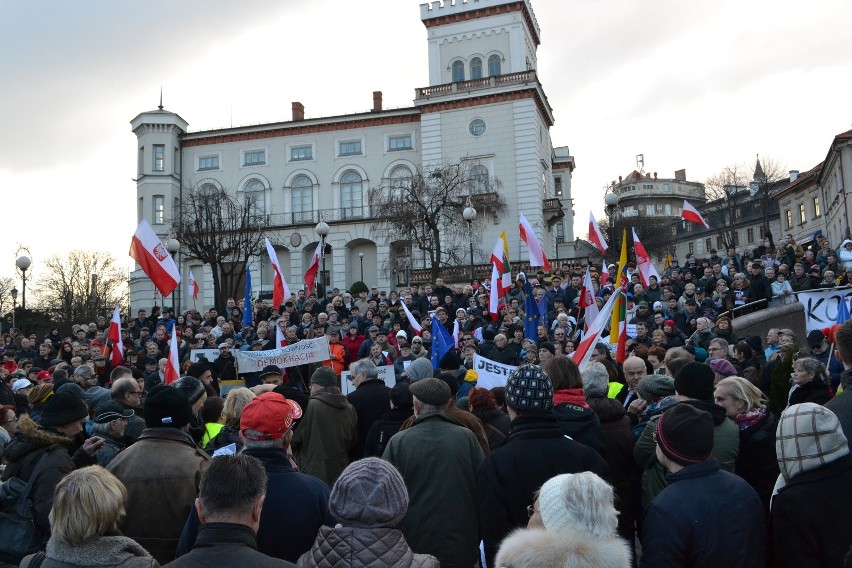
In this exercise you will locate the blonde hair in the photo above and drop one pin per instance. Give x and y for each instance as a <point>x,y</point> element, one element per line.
<point>87,503</point>
<point>743,390</point>
<point>236,400</point>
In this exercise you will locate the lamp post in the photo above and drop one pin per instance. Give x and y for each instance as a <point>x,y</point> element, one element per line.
<point>611,201</point>
<point>14,292</point>
<point>23,262</point>
<point>173,246</point>
<point>322,230</point>
<point>469,215</point>
<point>361,258</point>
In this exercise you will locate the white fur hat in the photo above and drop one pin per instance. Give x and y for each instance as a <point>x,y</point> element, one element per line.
<point>574,502</point>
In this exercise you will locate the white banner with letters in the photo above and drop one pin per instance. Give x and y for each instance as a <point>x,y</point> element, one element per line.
<point>490,374</point>
<point>386,373</point>
<point>302,353</point>
<point>821,306</point>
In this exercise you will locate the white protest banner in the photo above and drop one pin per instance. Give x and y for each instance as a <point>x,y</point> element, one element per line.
<point>209,354</point>
<point>490,374</point>
<point>386,374</point>
<point>821,306</point>
<point>302,353</point>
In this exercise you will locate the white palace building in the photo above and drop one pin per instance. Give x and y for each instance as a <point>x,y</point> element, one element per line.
<point>484,104</point>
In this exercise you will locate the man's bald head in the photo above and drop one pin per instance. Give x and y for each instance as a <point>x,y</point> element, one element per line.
<point>634,370</point>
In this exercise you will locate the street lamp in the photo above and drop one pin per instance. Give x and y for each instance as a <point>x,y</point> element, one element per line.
<point>611,201</point>
<point>23,262</point>
<point>469,215</point>
<point>14,292</point>
<point>361,257</point>
<point>322,230</point>
<point>173,246</point>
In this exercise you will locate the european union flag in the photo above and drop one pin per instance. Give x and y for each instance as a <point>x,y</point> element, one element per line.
<point>442,341</point>
<point>247,307</point>
<point>532,317</point>
<point>842,309</point>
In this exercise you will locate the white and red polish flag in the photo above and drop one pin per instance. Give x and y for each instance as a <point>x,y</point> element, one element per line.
<point>313,268</point>
<point>280,290</point>
<point>193,286</point>
<point>690,213</point>
<point>604,274</point>
<point>172,372</point>
<point>584,350</point>
<point>587,300</point>
<point>280,340</point>
<point>153,258</point>
<point>643,261</point>
<point>537,256</point>
<point>114,334</point>
<point>595,235</point>
<point>412,321</point>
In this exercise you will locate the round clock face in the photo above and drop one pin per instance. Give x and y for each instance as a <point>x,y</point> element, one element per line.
<point>295,239</point>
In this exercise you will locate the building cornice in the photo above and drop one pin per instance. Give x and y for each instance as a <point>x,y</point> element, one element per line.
<point>455,11</point>
<point>492,99</point>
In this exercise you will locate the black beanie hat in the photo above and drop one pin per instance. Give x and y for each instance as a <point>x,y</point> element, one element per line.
<point>166,407</point>
<point>685,434</point>
<point>197,369</point>
<point>63,408</point>
<point>450,360</point>
<point>191,387</point>
<point>695,380</point>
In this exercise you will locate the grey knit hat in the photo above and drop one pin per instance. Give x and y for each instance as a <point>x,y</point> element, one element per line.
<point>529,389</point>
<point>654,387</point>
<point>420,368</point>
<point>369,493</point>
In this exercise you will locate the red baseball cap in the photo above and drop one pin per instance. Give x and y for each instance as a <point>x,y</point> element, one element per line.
<point>44,376</point>
<point>268,417</point>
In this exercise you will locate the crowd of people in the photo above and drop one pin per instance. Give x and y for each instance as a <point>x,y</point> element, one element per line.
<point>700,448</point>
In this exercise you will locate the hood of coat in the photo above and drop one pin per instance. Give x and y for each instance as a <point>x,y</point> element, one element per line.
<point>334,400</point>
<point>30,436</point>
<point>607,409</point>
<point>538,548</point>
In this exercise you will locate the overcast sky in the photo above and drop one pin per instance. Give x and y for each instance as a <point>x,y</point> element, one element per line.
<point>694,85</point>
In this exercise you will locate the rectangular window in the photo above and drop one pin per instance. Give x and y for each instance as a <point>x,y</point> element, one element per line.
<point>352,148</point>
<point>301,153</point>
<point>802,213</point>
<point>140,212</point>
<point>750,235</point>
<point>719,243</point>
<point>817,212</point>
<point>208,163</point>
<point>668,209</point>
<point>254,158</point>
<point>159,210</point>
<point>159,157</point>
<point>691,248</point>
<point>789,218</point>
<point>667,188</point>
<point>557,184</point>
<point>735,238</point>
<point>738,212</point>
<point>396,143</point>
<point>140,164</point>
<point>649,209</point>
<point>303,203</point>
<point>708,244</point>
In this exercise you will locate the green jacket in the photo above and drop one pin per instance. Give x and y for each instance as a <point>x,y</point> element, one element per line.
<point>439,460</point>
<point>324,442</point>
<point>726,446</point>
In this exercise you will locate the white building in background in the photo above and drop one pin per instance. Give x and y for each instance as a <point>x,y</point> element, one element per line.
<point>484,104</point>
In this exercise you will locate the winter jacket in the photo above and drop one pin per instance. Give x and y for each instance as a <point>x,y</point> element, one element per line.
<point>497,425</point>
<point>841,406</point>
<point>101,552</point>
<point>383,429</point>
<point>227,545</point>
<point>581,425</point>
<point>810,521</point>
<point>28,444</point>
<point>324,443</point>
<point>726,444</point>
<point>229,434</point>
<point>350,547</point>
<point>704,518</point>
<point>296,505</point>
<point>371,400</point>
<point>845,257</point>
<point>438,460</point>
<point>535,450</point>
<point>538,548</point>
<point>464,418</point>
<point>756,461</point>
<point>814,391</point>
<point>338,361</point>
<point>161,472</point>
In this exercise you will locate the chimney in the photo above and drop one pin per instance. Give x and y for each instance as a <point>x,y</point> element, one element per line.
<point>619,179</point>
<point>794,175</point>
<point>377,101</point>
<point>680,175</point>
<point>655,175</point>
<point>298,111</point>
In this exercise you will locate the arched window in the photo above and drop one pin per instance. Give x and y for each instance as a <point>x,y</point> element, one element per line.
<point>458,71</point>
<point>351,197</point>
<point>254,198</point>
<point>400,176</point>
<point>494,65</point>
<point>476,68</point>
<point>302,198</point>
<point>479,179</point>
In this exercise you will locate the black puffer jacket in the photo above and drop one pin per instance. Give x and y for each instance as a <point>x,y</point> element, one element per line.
<point>349,547</point>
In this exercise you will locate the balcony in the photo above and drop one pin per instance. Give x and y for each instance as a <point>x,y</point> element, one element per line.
<point>310,218</point>
<point>552,211</point>
<point>521,78</point>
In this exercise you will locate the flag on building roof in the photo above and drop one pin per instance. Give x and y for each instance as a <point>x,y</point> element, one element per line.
<point>114,335</point>
<point>172,371</point>
<point>193,286</point>
<point>153,258</point>
<point>280,290</point>
<point>537,256</point>
<point>691,214</point>
<point>595,235</point>
<point>313,268</point>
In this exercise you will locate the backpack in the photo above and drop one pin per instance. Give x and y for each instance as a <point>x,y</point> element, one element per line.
<point>20,536</point>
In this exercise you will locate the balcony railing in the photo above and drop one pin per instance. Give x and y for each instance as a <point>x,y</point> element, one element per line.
<point>476,84</point>
<point>305,218</point>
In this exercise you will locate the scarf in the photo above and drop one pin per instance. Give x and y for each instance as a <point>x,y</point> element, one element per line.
<point>750,418</point>
<point>572,396</point>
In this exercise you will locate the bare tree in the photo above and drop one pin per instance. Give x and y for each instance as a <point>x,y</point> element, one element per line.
<point>654,232</point>
<point>425,210</point>
<point>767,174</point>
<point>216,229</point>
<point>721,190</point>
<point>80,286</point>
<point>6,285</point>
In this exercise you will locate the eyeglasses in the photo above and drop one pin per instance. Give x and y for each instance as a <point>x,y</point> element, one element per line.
<point>9,421</point>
